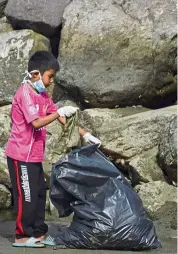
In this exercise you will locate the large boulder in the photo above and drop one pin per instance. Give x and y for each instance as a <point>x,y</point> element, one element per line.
<point>167,152</point>
<point>44,17</point>
<point>133,137</point>
<point>2,7</point>
<point>119,53</point>
<point>15,49</point>
<point>160,201</point>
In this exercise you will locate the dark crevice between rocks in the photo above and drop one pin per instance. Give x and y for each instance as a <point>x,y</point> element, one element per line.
<point>154,99</point>
<point>5,103</point>
<point>123,165</point>
<point>55,40</point>
<point>128,171</point>
<point>72,93</point>
<point>164,97</point>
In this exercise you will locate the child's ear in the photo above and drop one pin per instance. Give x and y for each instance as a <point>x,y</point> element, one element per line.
<point>35,75</point>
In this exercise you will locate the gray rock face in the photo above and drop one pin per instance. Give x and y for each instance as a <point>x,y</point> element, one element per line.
<point>167,152</point>
<point>4,172</point>
<point>60,139</point>
<point>160,200</point>
<point>4,177</point>
<point>134,138</point>
<point>15,49</point>
<point>4,134</point>
<point>128,135</point>
<point>119,52</point>
<point>5,197</point>
<point>4,125</point>
<point>5,26</point>
<point>42,16</point>
<point>2,7</point>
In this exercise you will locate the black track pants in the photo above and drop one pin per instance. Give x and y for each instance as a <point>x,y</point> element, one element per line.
<point>29,194</point>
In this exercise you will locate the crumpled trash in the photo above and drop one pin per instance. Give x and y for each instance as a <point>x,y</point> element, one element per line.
<point>108,213</point>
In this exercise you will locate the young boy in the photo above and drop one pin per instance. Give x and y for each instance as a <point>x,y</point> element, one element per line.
<point>32,110</point>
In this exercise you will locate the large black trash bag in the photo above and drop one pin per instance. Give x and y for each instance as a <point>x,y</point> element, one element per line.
<point>108,213</point>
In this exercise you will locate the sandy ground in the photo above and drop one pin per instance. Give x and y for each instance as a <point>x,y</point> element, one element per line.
<point>6,239</point>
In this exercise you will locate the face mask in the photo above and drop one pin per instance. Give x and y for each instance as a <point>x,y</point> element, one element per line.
<point>37,85</point>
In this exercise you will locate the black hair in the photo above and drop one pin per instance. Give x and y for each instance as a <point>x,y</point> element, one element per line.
<point>42,61</point>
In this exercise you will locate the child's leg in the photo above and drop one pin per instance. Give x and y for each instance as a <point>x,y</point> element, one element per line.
<point>40,228</point>
<point>24,179</point>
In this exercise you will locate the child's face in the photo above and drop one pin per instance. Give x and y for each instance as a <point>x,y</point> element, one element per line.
<point>48,77</point>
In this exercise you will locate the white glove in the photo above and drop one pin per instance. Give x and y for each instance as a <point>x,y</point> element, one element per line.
<point>91,139</point>
<point>67,111</point>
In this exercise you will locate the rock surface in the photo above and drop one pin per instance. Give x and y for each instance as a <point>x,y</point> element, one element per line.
<point>4,172</point>
<point>167,152</point>
<point>134,138</point>
<point>5,197</point>
<point>115,52</point>
<point>15,49</point>
<point>160,201</point>
<point>60,139</point>
<point>4,134</point>
<point>43,16</point>
<point>2,7</point>
<point>5,26</point>
<point>4,124</point>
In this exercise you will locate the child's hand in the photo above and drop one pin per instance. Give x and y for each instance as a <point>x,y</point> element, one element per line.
<point>67,111</point>
<point>91,139</point>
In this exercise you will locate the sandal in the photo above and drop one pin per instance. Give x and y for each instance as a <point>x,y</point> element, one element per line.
<point>49,240</point>
<point>30,243</point>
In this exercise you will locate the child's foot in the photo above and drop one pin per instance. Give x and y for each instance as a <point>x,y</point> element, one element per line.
<point>21,240</point>
<point>41,238</point>
<point>28,242</point>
